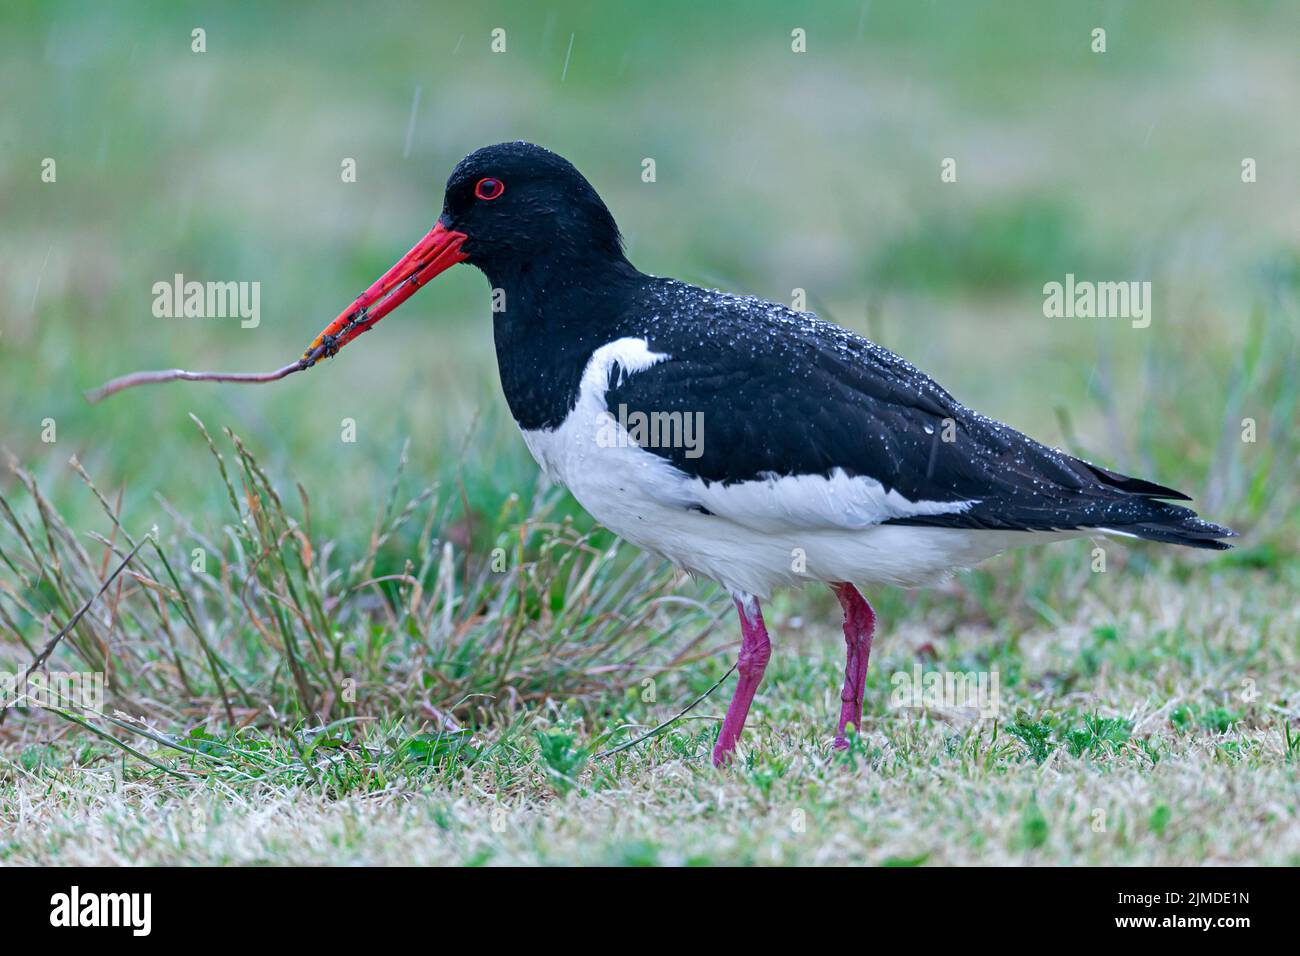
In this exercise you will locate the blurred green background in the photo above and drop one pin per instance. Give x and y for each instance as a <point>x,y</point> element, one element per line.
<point>775,171</point>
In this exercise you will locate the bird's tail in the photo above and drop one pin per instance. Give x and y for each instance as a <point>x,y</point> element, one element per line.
<point>1175,525</point>
<point>1172,524</point>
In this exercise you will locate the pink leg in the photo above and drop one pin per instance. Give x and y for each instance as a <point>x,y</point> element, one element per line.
<point>859,626</point>
<point>755,650</point>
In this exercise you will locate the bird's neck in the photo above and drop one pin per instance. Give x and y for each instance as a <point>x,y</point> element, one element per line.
<point>547,320</point>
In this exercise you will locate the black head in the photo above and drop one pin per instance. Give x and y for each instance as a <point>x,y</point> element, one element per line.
<point>522,214</point>
<point>520,204</point>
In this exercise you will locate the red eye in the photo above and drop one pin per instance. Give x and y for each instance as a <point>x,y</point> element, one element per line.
<point>489,188</point>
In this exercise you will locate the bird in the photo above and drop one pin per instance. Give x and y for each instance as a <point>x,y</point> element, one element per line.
<point>743,441</point>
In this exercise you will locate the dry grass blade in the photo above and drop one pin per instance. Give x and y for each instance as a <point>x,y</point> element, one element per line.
<point>45,653</point>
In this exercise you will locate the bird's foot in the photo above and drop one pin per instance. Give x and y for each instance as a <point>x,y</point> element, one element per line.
<point>723,754</point>
<point>847,728</point>
<point>755,651</point>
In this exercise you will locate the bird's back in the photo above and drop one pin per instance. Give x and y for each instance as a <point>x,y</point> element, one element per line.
<point>784,394</point>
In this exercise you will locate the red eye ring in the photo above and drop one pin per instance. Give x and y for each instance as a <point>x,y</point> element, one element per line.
<point>489,188</point>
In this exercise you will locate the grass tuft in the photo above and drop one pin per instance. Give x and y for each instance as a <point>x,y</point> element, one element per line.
<point>256,622</point>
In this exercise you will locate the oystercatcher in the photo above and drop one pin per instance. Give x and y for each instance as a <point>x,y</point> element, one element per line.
<point>741,440</point>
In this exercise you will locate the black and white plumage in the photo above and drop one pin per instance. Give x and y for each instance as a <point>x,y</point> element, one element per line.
<point>823,456</point>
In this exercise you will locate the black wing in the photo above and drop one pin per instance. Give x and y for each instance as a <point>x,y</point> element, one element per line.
<point>784,393</point>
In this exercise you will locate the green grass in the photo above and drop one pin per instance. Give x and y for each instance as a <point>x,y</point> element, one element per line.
<point>463,707</point>
<point>406,649</point>
<point>1123,782</point>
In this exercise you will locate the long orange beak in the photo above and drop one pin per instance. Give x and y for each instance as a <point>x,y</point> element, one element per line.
<point>436,252</point>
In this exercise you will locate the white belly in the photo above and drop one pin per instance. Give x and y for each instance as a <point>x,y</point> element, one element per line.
<point>759,535</point>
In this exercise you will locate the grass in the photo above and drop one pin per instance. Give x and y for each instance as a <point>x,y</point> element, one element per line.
<point>261,619</point>
<point>1123,778</point>
<point>282,706</point>
<point>405,649</point>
